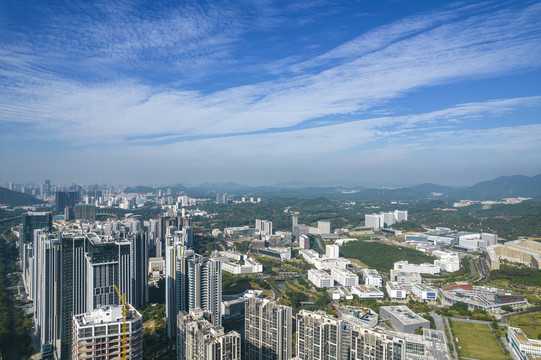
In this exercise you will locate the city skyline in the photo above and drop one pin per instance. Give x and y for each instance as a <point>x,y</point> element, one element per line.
<point>257,93</point>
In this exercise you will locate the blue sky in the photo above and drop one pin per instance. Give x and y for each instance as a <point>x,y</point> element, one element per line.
<point>261,92</point>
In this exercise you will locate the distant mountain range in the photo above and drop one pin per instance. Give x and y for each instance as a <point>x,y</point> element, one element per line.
<point>15,198</point>
<point>496,189</point>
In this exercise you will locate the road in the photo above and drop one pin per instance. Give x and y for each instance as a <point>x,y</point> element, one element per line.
<point>472,321</point>
<point>473,270</point>
<point>446,323</point>
<point>274,296</point>
<point>11,218</point>
<point>438,320</point>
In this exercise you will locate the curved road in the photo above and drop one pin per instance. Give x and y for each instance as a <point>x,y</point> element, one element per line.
<point>473,269</point>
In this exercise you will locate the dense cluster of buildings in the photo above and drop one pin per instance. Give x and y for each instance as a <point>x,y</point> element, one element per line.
<point>459,240</point>
<point>322,336</point>
<point>68,273</point>
<point>87,278</point>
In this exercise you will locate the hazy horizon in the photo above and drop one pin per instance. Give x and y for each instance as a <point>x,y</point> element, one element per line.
<point>292,183</point>
<point>259,93</point>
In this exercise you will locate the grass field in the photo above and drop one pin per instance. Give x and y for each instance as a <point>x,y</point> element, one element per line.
<point>529,323</point>
<point>358,262</point>
<point>476,341</point>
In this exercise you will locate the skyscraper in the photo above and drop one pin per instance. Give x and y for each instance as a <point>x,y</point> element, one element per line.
<point>319,336</point>
<point>264,226</point>
<point>73,299</point>
<point>198,339</point>
<point>46,190</point>
<point>268,328</point>
<point>138,268</point>
<point>76,273</point>
<point>47,283</point>
<point>192,281</point>
<point>204,284</point>
<point>32,221</point>
<point>221,198</point>
<point>65,199</point>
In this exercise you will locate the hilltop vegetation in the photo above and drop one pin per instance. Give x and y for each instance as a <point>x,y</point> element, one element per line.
<point>381,256</point>
<point>517,274</point>
<point>311,210</point>
<point>510,222</point>
<point>15,198</point>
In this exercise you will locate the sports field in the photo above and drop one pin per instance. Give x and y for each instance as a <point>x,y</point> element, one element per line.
<point>476,341</point>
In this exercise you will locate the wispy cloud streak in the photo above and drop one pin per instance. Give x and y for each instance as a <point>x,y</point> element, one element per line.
<point>351,81</point>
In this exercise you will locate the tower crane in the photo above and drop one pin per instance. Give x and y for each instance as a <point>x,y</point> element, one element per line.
<point>125,311</point>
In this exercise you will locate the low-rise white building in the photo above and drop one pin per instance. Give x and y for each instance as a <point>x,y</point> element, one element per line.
<point>424,268</point>
<point>371,277</point>
<point>424,292</point>
<point>522,346</point>
<point>337,293</point>
<point>403,277</point>
<point>250,266</point>
<point>447,261</point>
<point>280,253</point>
<point>320,278</point>
<point>344,277</point>
<point>396,291</point>
<point>309,255</point>
<point>471,242</point>
<point>233,255</point>
<point>325,263</point>
<point>367,292</point>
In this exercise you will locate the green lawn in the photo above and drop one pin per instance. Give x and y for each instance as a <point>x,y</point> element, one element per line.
<point>476,341</point>
<point>529,323</point>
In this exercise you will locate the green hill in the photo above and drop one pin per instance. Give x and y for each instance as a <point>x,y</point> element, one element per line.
<point>14,198</point>
<point>381,256</point>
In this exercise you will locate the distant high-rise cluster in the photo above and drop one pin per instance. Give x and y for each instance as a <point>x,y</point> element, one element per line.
<point>385,219</point>
<point>221,198</point>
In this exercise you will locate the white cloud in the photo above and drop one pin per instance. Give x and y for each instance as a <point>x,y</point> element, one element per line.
<point>355,80</point>
<point>418,53</point>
